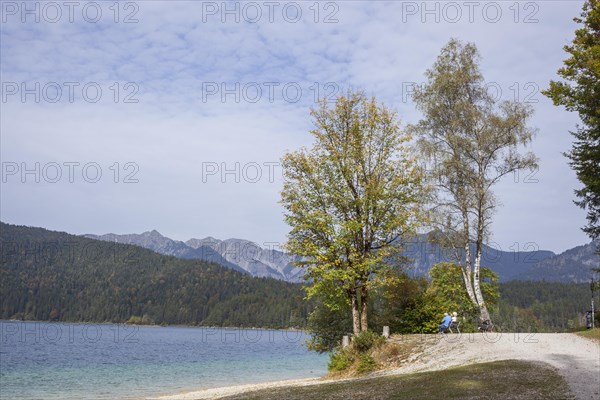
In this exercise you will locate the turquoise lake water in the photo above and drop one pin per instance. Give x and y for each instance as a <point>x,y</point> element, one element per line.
<point>40,360</point>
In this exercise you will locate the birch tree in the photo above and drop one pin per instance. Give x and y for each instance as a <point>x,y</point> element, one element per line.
<point>471,141</point>
<point>348,200</point>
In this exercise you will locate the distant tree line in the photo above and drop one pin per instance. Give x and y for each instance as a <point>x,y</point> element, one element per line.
<point>544,306</point>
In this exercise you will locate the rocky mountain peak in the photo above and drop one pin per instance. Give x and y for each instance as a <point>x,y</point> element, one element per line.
<point>269,261</point>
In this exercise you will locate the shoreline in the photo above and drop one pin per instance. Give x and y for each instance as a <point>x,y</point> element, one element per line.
<point>153,326</point>
<point>218,392</point>
<point>574,357</point>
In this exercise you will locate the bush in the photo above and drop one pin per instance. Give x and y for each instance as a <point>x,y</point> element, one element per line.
<point>357,357</point>
<point>339,360</point>
<point>326,327</point>
<point>364,341</point>
<point>134,320</point>
<point>366,363</point>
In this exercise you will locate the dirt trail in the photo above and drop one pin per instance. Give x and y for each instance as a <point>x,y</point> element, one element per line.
<point>576,359</point>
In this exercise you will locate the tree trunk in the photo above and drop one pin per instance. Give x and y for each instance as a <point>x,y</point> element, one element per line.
<point>466,270</point>
<point>364,302</point>
<point>484,313</point>
<point>476,273</point>
<point>355,313</point>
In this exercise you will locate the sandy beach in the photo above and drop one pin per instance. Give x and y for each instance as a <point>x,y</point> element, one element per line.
<point>577,359</point>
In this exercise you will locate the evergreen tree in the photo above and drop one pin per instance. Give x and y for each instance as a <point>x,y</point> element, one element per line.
<point>581,93</point>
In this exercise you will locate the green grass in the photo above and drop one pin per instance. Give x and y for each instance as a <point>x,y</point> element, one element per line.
<point>499,380</point>
<point>593,334</point>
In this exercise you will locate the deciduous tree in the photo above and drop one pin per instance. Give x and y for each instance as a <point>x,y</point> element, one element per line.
<point>349,198</point>
<point>470,141</point>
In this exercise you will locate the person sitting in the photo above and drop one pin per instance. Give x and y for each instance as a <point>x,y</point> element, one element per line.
<point>454,324</point>
<point>443,327</point>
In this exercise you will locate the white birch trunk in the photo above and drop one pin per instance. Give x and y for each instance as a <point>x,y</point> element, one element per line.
<point>484,313</point>
<point>466,270</point>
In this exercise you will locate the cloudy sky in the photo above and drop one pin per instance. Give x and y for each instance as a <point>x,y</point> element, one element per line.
<point>173,115</point>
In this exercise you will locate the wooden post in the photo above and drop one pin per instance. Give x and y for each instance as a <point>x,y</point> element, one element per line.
<point>345,341</point>
<point>386,332</point>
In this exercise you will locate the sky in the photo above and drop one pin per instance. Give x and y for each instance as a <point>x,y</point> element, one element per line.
<point>173,115</point>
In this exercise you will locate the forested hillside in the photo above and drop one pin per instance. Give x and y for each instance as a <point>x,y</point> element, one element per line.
<point>46,275</point>
<point>573,265</point>
<point>543,306</point>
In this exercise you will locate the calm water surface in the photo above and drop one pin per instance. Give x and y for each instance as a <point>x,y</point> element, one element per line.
<point>40,360</point>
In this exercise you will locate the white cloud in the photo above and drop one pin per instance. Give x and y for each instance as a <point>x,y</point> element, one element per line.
<point>172,53</point>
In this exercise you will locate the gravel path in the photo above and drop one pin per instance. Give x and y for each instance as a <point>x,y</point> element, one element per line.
<point>576,359</point>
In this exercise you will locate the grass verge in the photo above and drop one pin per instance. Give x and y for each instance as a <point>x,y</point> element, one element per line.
<point>593,334</point>
<point>498,380</point>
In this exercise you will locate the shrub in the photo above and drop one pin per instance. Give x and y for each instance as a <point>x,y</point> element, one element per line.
<point>135,320</point>
<point>364,341</point>
<point>356,358</point>
<point>339,360</point>
<point>366,363</point>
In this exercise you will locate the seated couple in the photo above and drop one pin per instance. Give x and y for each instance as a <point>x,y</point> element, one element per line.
<point>446,321</point>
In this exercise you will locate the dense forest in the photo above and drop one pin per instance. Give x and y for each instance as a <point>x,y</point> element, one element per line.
<point>46,275</point>
<point>544,306</point>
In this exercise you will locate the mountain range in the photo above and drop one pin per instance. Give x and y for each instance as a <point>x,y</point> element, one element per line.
<point>238,254</point>
<point>248,257</point>
<point>573,265</point>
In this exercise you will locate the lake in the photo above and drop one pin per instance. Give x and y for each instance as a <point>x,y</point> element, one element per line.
<point>42,360</point>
